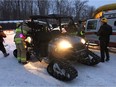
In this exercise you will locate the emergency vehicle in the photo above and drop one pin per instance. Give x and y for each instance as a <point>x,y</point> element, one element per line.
<point>93,25</point>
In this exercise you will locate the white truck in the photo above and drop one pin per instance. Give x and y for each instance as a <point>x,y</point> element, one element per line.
<point>93,25</point>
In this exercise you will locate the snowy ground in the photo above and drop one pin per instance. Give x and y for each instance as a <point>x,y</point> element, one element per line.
<point>34,74</point>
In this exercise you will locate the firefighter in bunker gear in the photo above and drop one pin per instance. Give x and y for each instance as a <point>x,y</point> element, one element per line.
<point>19,40</point>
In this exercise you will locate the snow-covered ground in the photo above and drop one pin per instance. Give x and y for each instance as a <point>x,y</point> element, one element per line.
<point>34,74</point>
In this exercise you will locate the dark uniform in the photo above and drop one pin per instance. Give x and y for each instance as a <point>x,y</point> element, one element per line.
<point>2,48</point>
<point>104,36</point>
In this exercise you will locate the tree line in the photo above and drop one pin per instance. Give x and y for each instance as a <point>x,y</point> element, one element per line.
<point>22,9</point>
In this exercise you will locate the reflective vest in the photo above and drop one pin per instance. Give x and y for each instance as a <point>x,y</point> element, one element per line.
<point>81,33</point>
<point>21,31</point>
<point>18,38</point>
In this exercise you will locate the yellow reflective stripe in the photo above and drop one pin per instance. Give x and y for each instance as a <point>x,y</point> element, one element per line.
<point>23,59</point>
<point>81,33</point>
<point>19,30</point>
<point>18,58</point>
<point>18,40</point>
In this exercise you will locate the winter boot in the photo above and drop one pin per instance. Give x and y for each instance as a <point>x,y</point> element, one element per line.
<point>102,60</point>
<point>107,59</point>
<point>6,54</point>
<point>19,61</point>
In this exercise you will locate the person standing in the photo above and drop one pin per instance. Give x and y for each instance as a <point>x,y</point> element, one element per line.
<point>2,48</point>
<point>104,37</point>
<point>81,27</point>
<point>19,40</point>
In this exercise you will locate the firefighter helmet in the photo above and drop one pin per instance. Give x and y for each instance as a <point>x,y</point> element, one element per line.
<point>104,20</point>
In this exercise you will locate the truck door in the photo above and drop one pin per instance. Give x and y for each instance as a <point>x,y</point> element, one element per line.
<point>92,26</point>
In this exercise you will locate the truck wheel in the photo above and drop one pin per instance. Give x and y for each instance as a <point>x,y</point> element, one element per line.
<point>62,71</point>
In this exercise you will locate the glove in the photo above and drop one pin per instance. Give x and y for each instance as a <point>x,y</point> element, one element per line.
<point>22,36</point>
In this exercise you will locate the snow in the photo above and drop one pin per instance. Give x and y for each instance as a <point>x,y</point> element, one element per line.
<point>34,74</point>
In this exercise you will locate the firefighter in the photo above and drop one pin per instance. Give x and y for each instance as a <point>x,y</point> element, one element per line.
<point>104,36</point>
<point>19,40</point>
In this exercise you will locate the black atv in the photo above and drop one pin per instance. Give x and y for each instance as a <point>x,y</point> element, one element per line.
<point>49,39</point>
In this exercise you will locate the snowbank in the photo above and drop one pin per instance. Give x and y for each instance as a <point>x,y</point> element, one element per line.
<point>34,74</point>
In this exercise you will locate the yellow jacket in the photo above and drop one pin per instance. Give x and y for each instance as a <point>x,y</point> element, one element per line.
<point>19,32</point>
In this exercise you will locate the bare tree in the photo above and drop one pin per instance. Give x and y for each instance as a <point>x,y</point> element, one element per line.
<point>91,10</point>
<point>66,8</point>
<point>43,6</point>
<point>5,9</point>
<point>79,7</point>
<point>62,7</point>
<point>22,9</point>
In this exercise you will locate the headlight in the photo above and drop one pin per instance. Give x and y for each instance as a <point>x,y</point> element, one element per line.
<point>64,45</point>
<point>28,39</point>
<point>83,41</point>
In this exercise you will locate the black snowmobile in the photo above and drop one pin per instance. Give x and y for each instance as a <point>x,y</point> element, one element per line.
<point>60,48</point>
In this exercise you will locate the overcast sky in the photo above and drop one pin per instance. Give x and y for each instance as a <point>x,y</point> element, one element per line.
<point>98,3</point>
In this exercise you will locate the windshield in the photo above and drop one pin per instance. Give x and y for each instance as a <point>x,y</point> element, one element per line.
<point>62,23</point>
<point>91,25</point>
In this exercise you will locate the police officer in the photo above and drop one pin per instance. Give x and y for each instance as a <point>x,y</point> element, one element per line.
<point>2,48</point>
<point>104,36</point>
<point>19,40</point>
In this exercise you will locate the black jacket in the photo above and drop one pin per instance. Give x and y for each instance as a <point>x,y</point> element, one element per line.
<point>104,32</point>
<point>2,35</point>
